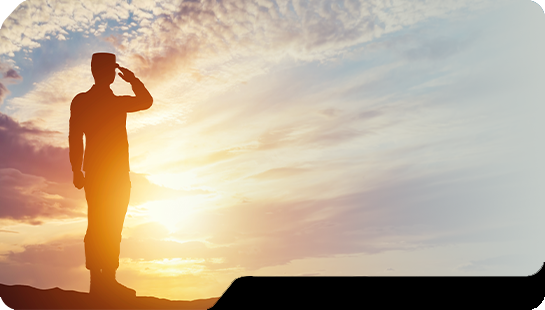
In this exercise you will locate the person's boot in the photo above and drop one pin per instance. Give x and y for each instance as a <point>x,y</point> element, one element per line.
<point>115,288</point>
<point>95,287</point>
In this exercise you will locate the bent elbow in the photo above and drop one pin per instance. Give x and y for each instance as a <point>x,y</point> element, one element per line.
<point>149,102</point>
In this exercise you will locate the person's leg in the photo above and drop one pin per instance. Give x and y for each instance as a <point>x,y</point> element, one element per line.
<point>118,204</point>
<point>95,287</point>
<point>94,260</point>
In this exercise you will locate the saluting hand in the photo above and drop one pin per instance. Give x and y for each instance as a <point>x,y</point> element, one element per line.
<point>126,74</point>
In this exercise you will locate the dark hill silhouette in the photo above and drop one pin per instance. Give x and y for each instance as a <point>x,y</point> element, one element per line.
<point>28,297</point>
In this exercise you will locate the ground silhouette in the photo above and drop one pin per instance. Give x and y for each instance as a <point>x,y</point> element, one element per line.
<point>28,297</point>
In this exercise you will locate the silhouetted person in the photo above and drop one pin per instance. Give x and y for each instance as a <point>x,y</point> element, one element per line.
<point>101,116</point>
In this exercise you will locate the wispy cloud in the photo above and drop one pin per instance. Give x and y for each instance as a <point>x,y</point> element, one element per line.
<point>58,253</point>
<point>278,173</point>
<point>29,154</point>
<point>8,231</point>
<point>4,92</point>
<point>142,190</point>
<point>29,199</point>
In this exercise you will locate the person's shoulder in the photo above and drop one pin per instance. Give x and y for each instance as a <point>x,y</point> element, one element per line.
<point>81,96</point>
<point>79,99</point>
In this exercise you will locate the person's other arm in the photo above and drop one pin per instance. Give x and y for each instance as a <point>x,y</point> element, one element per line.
<point>75,141</point>
<point>143,99</point>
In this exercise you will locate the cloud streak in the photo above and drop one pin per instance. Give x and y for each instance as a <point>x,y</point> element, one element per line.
<point>29,155</point>
<point>4,92</point>
<point>29,199</point>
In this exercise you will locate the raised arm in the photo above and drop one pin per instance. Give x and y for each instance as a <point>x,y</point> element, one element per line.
<point>142,100</point>
<point>75,141</point>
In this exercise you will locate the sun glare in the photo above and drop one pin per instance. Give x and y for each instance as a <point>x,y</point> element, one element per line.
<point>165,267</point>
<point>173,213</point>
<point>176,181</point>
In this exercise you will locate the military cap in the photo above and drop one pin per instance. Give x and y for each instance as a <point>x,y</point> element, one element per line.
<point>103,61</point>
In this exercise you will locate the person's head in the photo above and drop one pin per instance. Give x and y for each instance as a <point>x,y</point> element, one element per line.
<point>103,67</point>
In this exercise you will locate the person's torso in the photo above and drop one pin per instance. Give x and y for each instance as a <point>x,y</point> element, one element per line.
<point>104,126</point>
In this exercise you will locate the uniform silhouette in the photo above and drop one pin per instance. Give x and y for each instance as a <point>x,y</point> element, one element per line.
<point>101,116</point>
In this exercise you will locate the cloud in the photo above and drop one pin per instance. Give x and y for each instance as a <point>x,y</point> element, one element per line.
<point>66,253</point>
<point>491,263</point>
<point>12,74</point>
<point>30,22</point>
<point>149,230</point>
<point>32,199</point>
<point>404,214</point>
<point>278,173</point>
<point>4,92</point>
<point>368,114</point>
<point>254,236</point>
<point>26,153</point>
<point>8,231</point>
<point>203,36</point>
<point>9,76</point>
<point>330,112</point>
<point>35,177</point>
<point>311,135</point>
<point>54,263</point>
<point>47,103</point>
<point>142,190</point>
<point>115,41</point>
<point>177,35</point>
<point>219,44</point>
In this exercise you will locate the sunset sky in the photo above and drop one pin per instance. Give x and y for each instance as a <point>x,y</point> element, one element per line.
<point>286,138</point>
